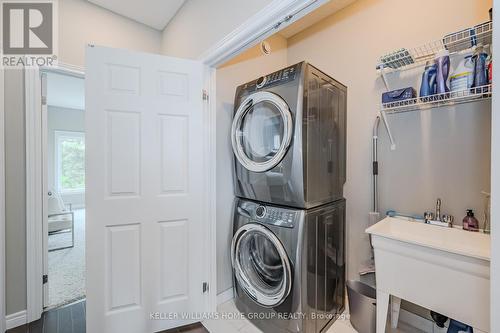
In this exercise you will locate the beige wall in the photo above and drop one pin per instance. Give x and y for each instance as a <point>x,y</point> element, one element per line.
<point>441,153</point>
<point>246,67</point>
<point>81,22</point>
<point>199,24</point>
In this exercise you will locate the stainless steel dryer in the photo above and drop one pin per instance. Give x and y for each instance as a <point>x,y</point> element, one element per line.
<point>288,137</point>
<point>289,265</point>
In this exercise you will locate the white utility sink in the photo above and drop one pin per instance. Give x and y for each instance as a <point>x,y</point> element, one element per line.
<point>443,269</point>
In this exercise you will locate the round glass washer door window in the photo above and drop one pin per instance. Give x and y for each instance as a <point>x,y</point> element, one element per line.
<point>261,131</point>
<point>261,265</point>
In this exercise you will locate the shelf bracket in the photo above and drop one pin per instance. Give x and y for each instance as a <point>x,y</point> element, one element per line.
<point>384,77</point>
<point>387,127</point>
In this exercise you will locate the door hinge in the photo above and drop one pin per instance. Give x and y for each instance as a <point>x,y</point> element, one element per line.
<point>205,287</point>
<point>205,95</point>
<point>44,100</point>
<point>45,278</point>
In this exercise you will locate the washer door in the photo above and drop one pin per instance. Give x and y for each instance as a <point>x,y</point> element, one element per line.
<point>261,131</point>
<point>261,265</point>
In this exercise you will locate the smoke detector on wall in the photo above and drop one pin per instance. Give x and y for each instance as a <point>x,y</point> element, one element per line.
<point>265,48</point>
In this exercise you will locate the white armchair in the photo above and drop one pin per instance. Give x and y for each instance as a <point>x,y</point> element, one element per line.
<point>60,218</point>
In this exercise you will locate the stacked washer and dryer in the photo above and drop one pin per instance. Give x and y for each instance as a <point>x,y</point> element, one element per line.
<point>288,249</point>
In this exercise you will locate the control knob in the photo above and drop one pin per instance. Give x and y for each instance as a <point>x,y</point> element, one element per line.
<point>261,81</point>
<point>260,211</point>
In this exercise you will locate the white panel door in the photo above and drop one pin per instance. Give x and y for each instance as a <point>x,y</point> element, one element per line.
<point>144,191</point>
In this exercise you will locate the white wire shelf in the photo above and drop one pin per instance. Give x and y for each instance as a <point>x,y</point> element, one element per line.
<point>404,59</point>
<point>438,100</point>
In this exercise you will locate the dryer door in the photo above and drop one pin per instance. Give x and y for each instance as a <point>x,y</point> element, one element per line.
<point>261,131</point>
<point>261,265</point>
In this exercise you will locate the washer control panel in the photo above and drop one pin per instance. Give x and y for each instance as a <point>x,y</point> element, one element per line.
<point>276,216</point>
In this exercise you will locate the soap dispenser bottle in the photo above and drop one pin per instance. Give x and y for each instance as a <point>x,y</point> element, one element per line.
<point>470,223</point>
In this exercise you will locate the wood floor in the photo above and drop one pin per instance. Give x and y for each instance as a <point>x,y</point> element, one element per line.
<point>71,319</point>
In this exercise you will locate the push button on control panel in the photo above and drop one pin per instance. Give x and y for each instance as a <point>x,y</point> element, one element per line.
<point>278,217</point>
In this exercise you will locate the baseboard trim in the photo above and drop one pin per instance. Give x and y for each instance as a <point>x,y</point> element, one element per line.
<point>15,319</point>
<point>225,296</point>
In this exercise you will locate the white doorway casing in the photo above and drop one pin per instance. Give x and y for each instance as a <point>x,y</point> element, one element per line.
<point>495,184</point>
<point>2,203</point>
<point>36,185</point>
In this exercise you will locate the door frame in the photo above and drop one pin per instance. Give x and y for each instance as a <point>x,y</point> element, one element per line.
<point>495,186</point>
<point>36,184</point>
<point>2,204</point>
<point>271,19</point>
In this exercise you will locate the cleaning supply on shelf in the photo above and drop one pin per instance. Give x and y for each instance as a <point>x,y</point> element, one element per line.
<point>398,95</point>
<point>489,66</point>
<point>480,69</point>
<point>428,85</point>
<point>490,71</point>
<point>442,61</point>
<point>470,223</point>
<point>463,75</point>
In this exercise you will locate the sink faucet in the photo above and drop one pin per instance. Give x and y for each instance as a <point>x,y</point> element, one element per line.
<point>437,218</point>
<point>438,210</point>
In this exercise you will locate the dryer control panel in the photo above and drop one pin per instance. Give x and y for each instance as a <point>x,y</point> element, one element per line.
<point>281,76</point>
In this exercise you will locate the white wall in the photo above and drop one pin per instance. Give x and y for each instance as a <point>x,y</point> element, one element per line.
<point>199,24</point>
<point>441,153</point>
<point>495,185</point>
<point>81,22</point>
<point>246,67</point>
<point>63,119</point>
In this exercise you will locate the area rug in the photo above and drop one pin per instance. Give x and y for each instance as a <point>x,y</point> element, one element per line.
<point>67,266</point>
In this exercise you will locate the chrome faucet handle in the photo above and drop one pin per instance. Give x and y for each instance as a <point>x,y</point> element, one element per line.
<point>448,219</point>
<point>428,216</point>
<point>438,210</point>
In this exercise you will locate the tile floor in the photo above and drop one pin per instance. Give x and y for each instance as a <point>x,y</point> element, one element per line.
<point>66,319</point>
<point>71,319</point>
<point>342,325</point>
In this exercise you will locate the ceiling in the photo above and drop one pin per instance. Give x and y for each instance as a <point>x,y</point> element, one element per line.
<point>305,22</point>
<point>153,13</point>
<point>65,91</point>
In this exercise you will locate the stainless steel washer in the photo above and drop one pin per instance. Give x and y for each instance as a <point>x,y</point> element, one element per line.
<point>288,138</point>
<point>289,265</point>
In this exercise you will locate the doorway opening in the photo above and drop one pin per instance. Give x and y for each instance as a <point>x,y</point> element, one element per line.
<point>64,159</point>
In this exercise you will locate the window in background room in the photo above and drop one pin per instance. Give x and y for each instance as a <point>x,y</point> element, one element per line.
<point>70,161</point>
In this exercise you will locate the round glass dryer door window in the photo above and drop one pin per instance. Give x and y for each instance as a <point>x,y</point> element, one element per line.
<point>261,131</point>
<point>261,265</point>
